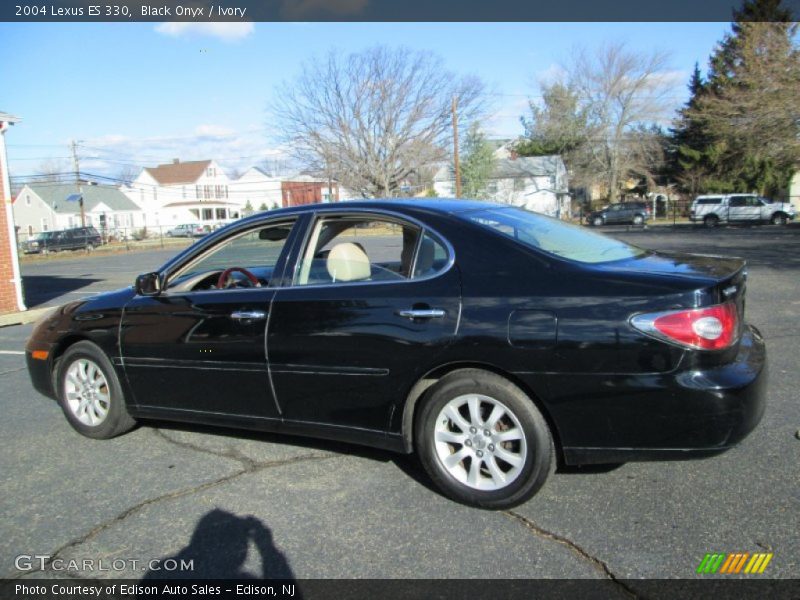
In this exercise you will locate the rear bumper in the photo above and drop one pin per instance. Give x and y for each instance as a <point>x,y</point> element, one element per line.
<point>681,415</point>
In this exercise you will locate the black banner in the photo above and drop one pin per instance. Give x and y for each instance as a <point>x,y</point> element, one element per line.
<point>312,589</point>
<point>372,10</point>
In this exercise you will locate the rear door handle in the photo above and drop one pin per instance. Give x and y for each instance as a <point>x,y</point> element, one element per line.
<point>248,315</point>
<point>422,313</point>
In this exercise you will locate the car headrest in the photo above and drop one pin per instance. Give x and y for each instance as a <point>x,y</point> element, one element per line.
<point>348,262</point>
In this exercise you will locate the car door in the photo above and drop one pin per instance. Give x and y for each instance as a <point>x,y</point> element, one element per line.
<point>200,348</point>
<point>614,213</point>
<point>373,300</point>
<point>741,209</point>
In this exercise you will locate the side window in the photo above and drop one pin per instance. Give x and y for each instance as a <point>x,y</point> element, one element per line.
<point>357,249</point>
<point>431,257</point>
<point>254,253</point>
<point>736,201</point>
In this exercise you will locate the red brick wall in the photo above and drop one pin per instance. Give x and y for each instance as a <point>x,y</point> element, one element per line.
<point>8,294</point>
<point>298,193</point>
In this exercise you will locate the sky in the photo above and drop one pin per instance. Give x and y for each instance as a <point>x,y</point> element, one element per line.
<point>140,94</point>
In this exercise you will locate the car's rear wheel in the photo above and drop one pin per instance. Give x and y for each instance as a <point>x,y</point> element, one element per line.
<point>638,219</point>
<point>779,219</point>
<point>711,221</point>
<point>598,221</point>
<point>483,441</point>
<point>90,394</point>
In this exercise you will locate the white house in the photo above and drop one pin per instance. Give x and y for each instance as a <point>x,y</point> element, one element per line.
<point>257,188</point>
<point>537,183</point>
<point>180,192</point>
<point>794,190</point>
<point>55,206</point>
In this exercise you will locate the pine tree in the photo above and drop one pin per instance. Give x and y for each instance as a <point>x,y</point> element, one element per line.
<point>477,164</point>
<point>740,130</point>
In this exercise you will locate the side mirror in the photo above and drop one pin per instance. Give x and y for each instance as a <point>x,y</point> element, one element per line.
<point>148,284</point>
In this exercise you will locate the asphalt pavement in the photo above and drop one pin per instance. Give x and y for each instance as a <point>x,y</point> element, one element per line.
<point>279,506</point>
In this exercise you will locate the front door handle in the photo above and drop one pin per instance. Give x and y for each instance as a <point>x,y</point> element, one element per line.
<point>422,313</point>
<point>248,315</point>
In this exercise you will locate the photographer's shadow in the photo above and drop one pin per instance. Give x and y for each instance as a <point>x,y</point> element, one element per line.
<point>219,548</point>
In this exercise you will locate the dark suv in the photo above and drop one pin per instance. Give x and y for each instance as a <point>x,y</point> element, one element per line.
<point>78,238</point>
<point>622,212</point>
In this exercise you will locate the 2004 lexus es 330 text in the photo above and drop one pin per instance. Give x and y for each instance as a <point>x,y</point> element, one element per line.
<point>489,340</point>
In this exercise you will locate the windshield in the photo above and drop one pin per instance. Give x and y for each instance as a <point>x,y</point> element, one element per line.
<point>553,236</point>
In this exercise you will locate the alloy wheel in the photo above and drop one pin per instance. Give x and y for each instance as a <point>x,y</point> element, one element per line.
<point>87,392</point>
<point>480,442</point>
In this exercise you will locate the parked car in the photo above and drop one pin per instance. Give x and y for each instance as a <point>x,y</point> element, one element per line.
<point>78,238</point>
<point>622,212</point>
<point>713,209</point>
<point>187,230</point>
<point>489,340</point>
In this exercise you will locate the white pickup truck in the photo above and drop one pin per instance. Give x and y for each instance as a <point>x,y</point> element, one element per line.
<point>714,209</point>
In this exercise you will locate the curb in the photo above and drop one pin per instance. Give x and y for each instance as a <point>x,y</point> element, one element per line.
<point>24,317</point>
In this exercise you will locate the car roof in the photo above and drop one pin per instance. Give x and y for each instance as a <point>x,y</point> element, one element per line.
<point>406,205</point>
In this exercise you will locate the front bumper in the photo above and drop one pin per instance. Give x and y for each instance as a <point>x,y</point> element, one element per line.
<point>684,414</point>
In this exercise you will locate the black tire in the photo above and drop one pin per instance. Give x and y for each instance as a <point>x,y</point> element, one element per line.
<point>598,221</point>
<point>90,247</point>
<point>778,219</point>
<point>638,219</point>
<point>539,459</point>
<point>711,221</point>
<point>117,420</point>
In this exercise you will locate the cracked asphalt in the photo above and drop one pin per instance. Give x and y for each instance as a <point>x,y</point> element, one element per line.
<point>248,504</point>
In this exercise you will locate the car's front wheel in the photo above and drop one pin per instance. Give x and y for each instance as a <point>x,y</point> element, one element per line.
<point>638,219</point>
<point>711,221</point>
<point>90,394</point>
<point>598,221</point>
<point>483,441</point>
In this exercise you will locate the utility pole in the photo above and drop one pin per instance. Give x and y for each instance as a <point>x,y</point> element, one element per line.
<point>78,180</point>
<point>455,147</point>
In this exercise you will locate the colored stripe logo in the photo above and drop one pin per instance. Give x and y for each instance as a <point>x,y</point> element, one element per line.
<point>735,562</point>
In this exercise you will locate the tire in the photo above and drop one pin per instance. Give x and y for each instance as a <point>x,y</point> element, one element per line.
<point>638,219</point>
<point>778,219</point>
<point>711,221</point>
<point>82,362</point>
<point>90,247</point>
<point>597,221</point>
<point>497,484</point>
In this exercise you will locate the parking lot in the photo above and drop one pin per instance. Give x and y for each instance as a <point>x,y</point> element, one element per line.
<point>243,504</point>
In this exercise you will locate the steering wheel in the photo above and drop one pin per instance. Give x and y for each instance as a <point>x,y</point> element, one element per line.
<point>222,282</point>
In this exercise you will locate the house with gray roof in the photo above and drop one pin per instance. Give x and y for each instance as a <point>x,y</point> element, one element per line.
<point>536,183</point>
<point>52,206</point>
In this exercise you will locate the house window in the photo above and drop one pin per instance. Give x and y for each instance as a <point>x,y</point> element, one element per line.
<point>198,191</point>
<point>208,214</point>
<point>27,199</point>
<point>210,172</point>
<point>218,191</point>
<point>44,225</point>
<point>207,191</point>
<point>221,214</point>
<point>183,192</point>
<point>491,187</point>
<point>30,230</point>
<point>519,184</point>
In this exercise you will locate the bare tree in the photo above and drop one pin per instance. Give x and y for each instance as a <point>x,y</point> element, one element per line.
<point>53,169</point>
<point>375,118</point>
<point>127,173</point>
<point>622,92</point>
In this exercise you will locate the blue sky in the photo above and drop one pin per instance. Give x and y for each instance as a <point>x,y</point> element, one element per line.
<point>144,93</point>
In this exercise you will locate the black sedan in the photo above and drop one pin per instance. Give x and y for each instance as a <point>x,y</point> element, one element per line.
<point>491,341</point>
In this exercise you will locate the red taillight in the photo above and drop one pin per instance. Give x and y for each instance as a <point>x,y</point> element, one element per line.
<point>710,328</point>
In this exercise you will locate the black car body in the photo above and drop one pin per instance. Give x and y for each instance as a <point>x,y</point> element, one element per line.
<point>356,353</point>
<point>78,238</point>
<point>621,212</point>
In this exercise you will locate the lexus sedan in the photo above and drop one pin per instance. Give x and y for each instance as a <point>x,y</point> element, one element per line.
<point>491,341</point>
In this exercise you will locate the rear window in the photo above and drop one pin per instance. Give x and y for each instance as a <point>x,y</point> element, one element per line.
<point>554,236</point>
<point>708,201</point>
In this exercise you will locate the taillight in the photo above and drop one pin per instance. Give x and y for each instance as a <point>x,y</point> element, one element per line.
<point>709,328</point>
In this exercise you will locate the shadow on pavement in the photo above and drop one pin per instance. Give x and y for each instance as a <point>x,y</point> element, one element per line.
<point>40,289</point>
<point>219,548</point>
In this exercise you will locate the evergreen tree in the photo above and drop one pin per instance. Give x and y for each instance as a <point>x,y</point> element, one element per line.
<point>477,163</point>
<point>740,131</point>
